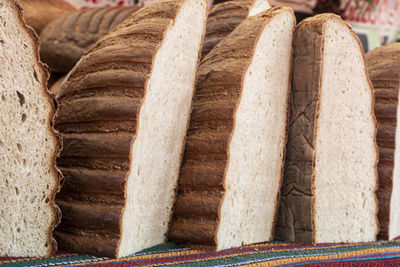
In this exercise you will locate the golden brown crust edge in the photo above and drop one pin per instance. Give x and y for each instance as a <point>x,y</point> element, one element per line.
<point>52,244</point>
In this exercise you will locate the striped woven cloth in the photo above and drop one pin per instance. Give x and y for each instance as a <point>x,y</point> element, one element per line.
<point>383,253</point>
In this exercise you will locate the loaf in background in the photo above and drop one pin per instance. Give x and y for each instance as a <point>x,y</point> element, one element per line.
<point>234,154</point>
<point>225,17</point>
<point>39,13</point>
<point>384,71</point>
<point>330,178</point>
<point>29,145</point>
<point>65,40</point>
<point>124,112</point>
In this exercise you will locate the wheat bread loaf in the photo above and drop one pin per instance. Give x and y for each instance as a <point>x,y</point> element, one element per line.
<point>29,145</point>
<point>232,167</point>
<point>330,177</point>
<point>225,17</point>
<point>383,68</point>
<point>39,13</point>
<point>124,112</point>
<point>65,40</point>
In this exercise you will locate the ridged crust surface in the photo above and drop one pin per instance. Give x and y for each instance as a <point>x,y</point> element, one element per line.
<point>39,13</point>
<point>384,72</point>
<point>99,103</point>
<point>296,212</point>
<point>66,39</point>
<point>201,181</point>
<point>44,76</point>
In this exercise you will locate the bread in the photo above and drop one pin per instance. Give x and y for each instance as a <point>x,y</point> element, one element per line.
<point>66,39</point>
<point>29,145</point>
<point>330,178</point>
<point>384,70</point>
<point>232,167</point>
<point>225,17</point>
<point>39,13</point>
<point>124,111</point>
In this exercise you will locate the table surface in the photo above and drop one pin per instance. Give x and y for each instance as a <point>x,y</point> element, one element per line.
<point>383,253</point>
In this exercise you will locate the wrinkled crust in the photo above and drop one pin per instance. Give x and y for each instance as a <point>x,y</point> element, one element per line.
<point>58,144</point>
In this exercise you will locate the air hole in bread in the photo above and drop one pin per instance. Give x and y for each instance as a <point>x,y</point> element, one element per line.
<point>23,117</point>
<point>24,163</point>
<point>17,191</point>
<point>19,230</point>
<point>3,98</point>
<point>21,98</point>
<point>19,146</point>
<point>35,75</point>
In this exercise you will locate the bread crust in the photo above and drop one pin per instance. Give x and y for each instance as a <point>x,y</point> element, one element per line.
<point>202,176</point>
<point>383,68</point>
<point>105,90</point>
<point>66,39</point>
<point>38,13</point>
<point>296,222</point>
<point>44,72</point>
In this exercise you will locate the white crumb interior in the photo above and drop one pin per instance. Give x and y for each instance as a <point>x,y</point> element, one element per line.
<point>163,119</point>
<point>394,225</point>
<point>256,149</point>
<point>259,6</point>
<point>26,144</point>
<point>345,152</point>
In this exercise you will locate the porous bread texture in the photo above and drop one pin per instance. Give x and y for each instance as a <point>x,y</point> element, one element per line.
<point>233,160</point>
<point>384,72</point>
<point>124,111</point>
<point>225,17</point>
<point>39,13</point>
<point>330,179</point>
<point>66,39</point>
<point>163,120</point>
<point>28,143</point>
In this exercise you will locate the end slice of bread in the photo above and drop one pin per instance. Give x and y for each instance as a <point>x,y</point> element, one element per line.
<point>29,179</point>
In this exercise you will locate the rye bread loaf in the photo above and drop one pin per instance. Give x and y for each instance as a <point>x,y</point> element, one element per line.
<point>233,161</point>
<point>65,40</point>
<point>39,13</point>
<point>330,177</point>
<point>225,17</point>
<point>124,111</point>
<point>384,71</point>
<point>29,145</point>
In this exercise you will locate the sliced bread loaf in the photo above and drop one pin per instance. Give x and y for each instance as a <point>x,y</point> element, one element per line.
<point>330,178</point>
<point>39,13</point>
<point>29,145</point>
<point>65,40</point>
<point>225,17</point>
<point>384,71</point>
<point>124,111</point>
<point>233,160</point>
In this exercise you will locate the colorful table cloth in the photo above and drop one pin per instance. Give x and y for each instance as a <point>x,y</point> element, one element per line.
<point>384,253</point>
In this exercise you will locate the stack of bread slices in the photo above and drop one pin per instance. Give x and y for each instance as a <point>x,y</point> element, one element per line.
<point>209,128</point>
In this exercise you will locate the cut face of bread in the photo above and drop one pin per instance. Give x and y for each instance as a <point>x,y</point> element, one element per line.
<point>237,137</point>
<point>223,18</point>
<point>384,68</point>
<point>28,143</point>
<point>328,192</point>
<point>124,112</point>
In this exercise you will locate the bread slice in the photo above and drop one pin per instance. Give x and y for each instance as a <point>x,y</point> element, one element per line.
<point>65,40</point>
<point>330,178</point>
<point>225,17</point>
<point>384,71</point>
<point>233,160</point>
<point>29,145</point>
<point>124,111</point>
<point>39,13</point>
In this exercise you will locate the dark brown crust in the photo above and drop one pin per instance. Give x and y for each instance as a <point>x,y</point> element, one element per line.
<point>66,39</point>
<point>45,74</point>
<point>296,222</point>
<point>201,182</point>
<point>38,13</point>
<point>105,90</point>
<point>384,68</point>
